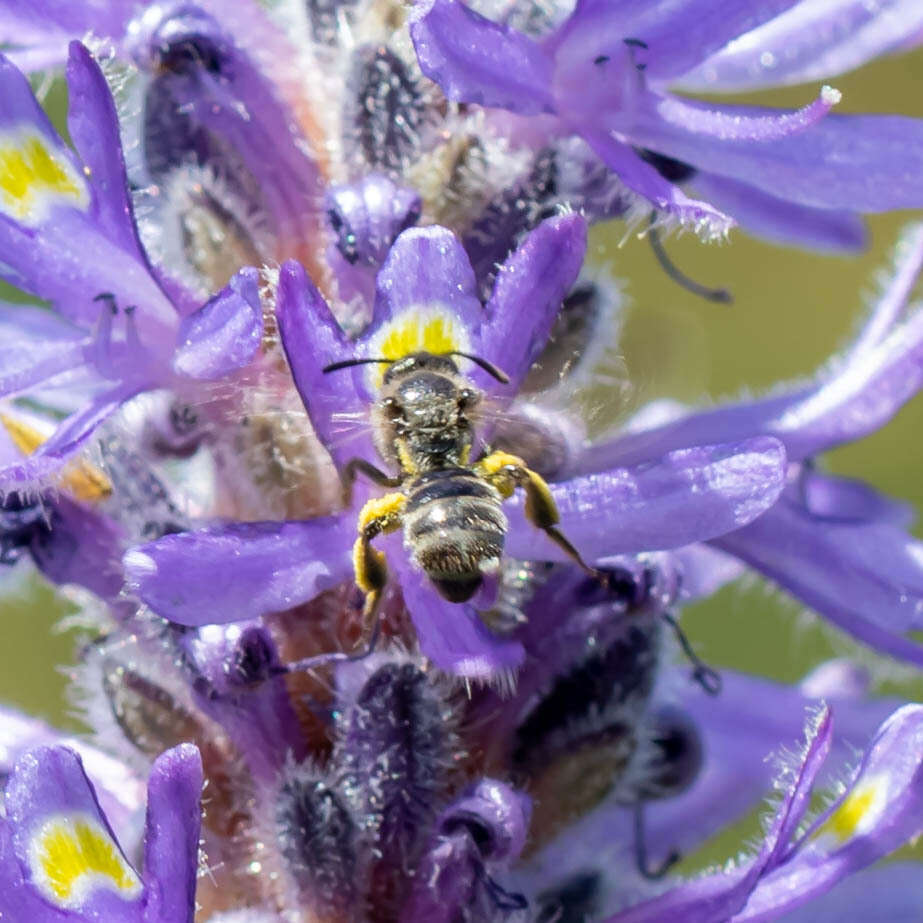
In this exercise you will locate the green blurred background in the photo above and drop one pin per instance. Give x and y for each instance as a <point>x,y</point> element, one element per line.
<point>792,310</point>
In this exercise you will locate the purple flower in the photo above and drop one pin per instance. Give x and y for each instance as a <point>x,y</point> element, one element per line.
<point>362,800</point>
<point>603,72</point>
<point>426,301</point>
<point>68,235</point>
<point>879,809</point>
<point>464,692</point>
<point>61,860</point>
<point>833,543</point>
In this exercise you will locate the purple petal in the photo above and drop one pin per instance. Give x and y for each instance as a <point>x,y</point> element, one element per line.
<point>881,810</point>
<point>865,576</point>
<point>527,296</point>
<point>68,439</point>
<point>814,40</point>
<point>368,215</point>
<point>907,259</point>
<point>704,570</point>
<point>171,839</point>
<point>478,61</point>
<point>225,333</point>
<point>427,268</point>
<point>240,662</point>
<point>866,163</point>
<point>642,178</point>
<point>18,900</point>
<point>740,729</point>
<point>502,812</point>
<point>751,719</point>
<point>84,547</point>
<point>240,571</point>
<point>685,497</point>
<point>54,231</point>
<point>38,32</point>
<point>778,220</point>
<point>220,114</point>
<point>892,892</point>
<point>859,395</point>
<point>678,35</point>
<point>35,345</point>
<point>93,125</point>
<point>312,340</point>
<point>720,896</point>
<point>49,799</point>
<point>451,634</point>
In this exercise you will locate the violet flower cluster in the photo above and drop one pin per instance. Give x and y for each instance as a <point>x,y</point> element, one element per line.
<point>262,216</point>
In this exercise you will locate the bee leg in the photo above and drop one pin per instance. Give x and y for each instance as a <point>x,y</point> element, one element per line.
<point>506,472</point>
<point>356,466</point>
<point>379,516</point>
<point>642,860</point>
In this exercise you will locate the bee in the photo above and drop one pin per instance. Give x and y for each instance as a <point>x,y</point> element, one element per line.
<point>450,510</point>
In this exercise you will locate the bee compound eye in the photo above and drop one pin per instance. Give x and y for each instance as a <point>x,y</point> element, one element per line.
<point>468,397</point>
<point>392,407</point>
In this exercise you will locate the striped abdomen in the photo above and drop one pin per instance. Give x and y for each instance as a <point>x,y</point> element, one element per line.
<point>453,526</point>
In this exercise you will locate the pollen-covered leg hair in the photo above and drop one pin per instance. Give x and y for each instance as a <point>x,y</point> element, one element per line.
<point>507,472</point>
<point>380,515</point>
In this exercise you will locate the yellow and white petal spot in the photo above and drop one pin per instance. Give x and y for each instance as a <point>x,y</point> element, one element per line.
<point>34,175</point>
<point>427,328</point>
<point>71,856</point>
<point>859,811</point>
<point>82,480</point>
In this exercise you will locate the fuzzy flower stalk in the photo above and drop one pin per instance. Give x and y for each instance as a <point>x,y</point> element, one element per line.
<point>374,629</point>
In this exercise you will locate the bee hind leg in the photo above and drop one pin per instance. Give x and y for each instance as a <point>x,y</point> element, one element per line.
<point>356,466</point>
<point>379,516</point>
<point>507,472</point>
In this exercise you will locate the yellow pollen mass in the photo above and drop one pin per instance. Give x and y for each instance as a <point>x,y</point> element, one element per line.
<point>80,479</point>
<point>845,820</point>
<point>32,177</point>
<point>71,854</point>
<point>417,331</point>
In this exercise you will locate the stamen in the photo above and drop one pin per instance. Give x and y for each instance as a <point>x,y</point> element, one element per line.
<point>734,126</point>
<point>717,295</point>
<point>642,860</point>
<point>707,677</point>
<point>102,345</point>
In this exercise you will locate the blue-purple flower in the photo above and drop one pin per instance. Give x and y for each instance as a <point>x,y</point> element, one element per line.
<point>291,718</point>
<point>603,71</point>
<point>61,860</point>
<point>426,301</point>
<point>119,327</point>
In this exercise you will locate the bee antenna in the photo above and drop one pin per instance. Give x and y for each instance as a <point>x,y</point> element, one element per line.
<point>349,363</point>
<point>718,295</point>
<point>488,367</point>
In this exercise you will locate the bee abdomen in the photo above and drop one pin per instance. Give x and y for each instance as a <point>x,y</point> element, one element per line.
<point>453,523</point>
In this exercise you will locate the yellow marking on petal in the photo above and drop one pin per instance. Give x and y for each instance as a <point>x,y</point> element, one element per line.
<point>72,855</point>
<point>80,479</point>
<point>846,819</point>
<point>430,330</point>
<point>33,177</point>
